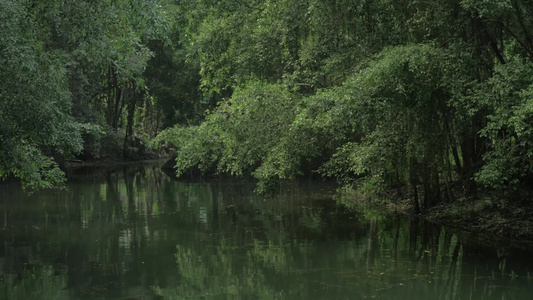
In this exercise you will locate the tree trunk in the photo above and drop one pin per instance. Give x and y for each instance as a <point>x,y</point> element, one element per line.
<point>132,103</point>
<point>415,198</point>
<point>413,181</point>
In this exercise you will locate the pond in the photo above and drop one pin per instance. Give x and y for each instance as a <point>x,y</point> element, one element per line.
<point>131,232</point>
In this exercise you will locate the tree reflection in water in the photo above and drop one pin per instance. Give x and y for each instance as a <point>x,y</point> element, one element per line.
<point>132,232</point>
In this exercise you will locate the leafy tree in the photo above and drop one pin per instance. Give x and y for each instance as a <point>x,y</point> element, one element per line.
<point>35,121</point>
<point>401,94</point>
<point>397,120</point>
<point>508,95</point>
<point>172,75</point>
<point>238,135</point>
<point>103,47</point>
<point>70,71</point>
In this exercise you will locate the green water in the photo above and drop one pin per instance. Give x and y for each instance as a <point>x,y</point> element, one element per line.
<point>133,233</point>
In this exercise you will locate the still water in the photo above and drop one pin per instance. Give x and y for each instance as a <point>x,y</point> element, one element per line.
<point>133,233</point>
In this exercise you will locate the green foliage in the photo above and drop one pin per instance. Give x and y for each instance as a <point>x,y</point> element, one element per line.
<point>196,147</point>
<point>392,93</point>
<point>365,191</point>
<point>239,134</point>
<point>35,119</point>
<point>63,64</point>
<point>104,49</point>
<point>259,114</point>
<point>508,96</point>
<point>487,8</point>
<point>307,44</point>
<point>322,123</point>
<point>405,99</point>
<point>173,82</point>
<point>432,94</point>
<point>396,113</point>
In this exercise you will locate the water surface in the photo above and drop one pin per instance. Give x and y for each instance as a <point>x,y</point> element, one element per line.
<point>131,232</point>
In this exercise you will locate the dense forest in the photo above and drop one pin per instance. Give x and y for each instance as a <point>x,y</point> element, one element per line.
<point>429,99</point>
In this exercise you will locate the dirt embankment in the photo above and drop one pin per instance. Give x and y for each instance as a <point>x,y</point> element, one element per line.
<point>501,217</point>
<point>494,215</point>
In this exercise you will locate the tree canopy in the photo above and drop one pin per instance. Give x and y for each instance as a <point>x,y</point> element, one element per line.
<point>404,95</point>
<point>382,94</point>
<point>72,82</point>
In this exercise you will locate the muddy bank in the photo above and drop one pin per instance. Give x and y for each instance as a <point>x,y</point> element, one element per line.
<point>494,217</point>
<point>490,215</point>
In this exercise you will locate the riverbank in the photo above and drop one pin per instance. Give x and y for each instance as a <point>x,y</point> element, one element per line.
<point>491,215</point>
